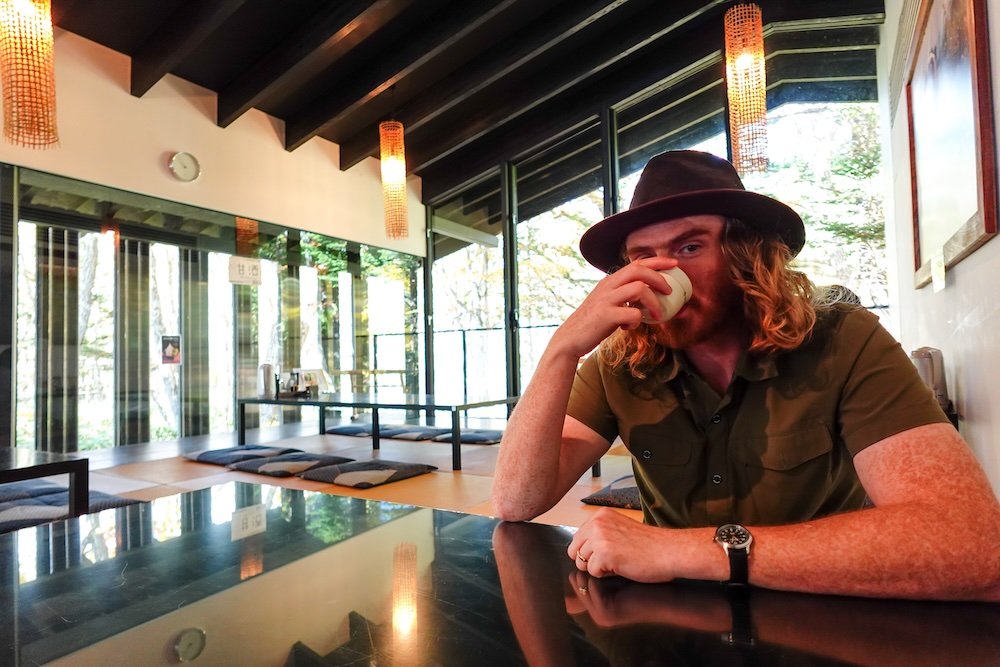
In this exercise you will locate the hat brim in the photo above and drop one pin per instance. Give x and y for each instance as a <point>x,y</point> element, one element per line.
<point>602,244</point>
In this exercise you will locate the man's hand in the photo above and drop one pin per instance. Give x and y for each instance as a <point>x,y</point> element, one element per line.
<point>611,543</point>
<point>612,603</point>
<point>613,304</point>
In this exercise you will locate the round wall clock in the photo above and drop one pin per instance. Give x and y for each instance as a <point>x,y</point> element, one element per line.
<point>184,166</point>
<point>190,643</point>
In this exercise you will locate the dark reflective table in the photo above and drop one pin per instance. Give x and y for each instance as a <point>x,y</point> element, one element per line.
<point>331,580</point>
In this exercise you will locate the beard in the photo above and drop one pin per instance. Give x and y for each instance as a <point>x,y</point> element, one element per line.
<point>702,323</point>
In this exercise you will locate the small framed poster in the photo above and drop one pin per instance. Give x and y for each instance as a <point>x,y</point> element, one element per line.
<point>171,349</point>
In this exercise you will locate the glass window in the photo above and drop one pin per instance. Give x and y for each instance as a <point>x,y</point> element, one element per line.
<point>165,344</point>
<point>27,308</point>
<point>129,329</point>
<point>468,278</point>
<point>559,196</point>
<point>269,349</point>
<point>393,293</point>
<point>97,334</point>
<point>825,162</point>
<point>222,384</point>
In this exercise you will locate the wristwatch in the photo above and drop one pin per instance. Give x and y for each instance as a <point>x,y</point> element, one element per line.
<point>735,541</point>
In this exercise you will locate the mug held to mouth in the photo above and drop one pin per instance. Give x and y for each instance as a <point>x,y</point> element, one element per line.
<point>670,304</point>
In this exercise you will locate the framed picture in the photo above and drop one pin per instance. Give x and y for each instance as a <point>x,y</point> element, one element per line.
<point>170,349</point>
<point>952,151</point>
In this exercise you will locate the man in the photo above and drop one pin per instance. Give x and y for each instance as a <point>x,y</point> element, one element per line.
<point>776,440</point>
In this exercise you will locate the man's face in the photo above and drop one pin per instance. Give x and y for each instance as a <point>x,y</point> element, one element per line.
<point>696,243</point>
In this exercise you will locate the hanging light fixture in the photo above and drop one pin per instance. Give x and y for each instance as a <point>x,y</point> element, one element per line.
<point>27,70</point>
<point>404,603</point>
<point>746,87</point>
<point>392,154</point>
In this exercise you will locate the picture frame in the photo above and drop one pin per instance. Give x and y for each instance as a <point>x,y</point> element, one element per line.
<point>952,150</point>
<point>170,350</point>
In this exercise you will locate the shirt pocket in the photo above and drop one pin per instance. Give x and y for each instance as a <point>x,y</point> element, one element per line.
<point>783,452</point>
<point>784,477</point>
<point>659,444</point>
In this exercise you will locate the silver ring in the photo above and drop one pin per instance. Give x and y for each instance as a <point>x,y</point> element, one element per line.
<point>583,589</point>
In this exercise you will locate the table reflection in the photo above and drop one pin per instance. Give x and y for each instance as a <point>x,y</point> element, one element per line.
<point>700,623</point>
<point>333,580</point>
<point>127,582</point>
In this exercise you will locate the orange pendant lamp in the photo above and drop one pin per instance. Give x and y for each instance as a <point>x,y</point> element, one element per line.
<point>746,87</point>
<point>27,71</point>
<point>393,157</point>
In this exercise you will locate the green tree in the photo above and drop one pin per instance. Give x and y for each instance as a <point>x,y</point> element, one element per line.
<point>840,200</point>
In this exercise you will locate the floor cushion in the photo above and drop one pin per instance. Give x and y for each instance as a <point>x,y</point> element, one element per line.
<point>351,429</point>
<point>230,455</point>
<point>417,433</point>
<point>286,465</point>
<point>620,493</point>
<point>404,431</point>
<point>474,436</point>
<point>366,474</point>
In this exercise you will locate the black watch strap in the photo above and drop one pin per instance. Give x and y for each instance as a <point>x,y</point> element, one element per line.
<point>742,627</point>
<point>738,571</point>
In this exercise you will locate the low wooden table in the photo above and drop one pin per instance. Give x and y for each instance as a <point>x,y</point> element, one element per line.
<point>18,464</point>
<point>376,402</point>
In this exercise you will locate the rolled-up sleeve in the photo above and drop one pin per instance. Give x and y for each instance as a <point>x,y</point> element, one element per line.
<point>588,400</point>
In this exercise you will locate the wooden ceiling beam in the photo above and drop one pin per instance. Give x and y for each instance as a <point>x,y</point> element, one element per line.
<point>318,42</point>
<point>179,36</point>
<point>568,113</point>
<point>485,71</point>
<point>505,103</point>
<point>430,41</point>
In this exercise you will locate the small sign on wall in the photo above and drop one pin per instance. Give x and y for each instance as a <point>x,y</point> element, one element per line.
<point>244,271</point>
<point>938,277</point>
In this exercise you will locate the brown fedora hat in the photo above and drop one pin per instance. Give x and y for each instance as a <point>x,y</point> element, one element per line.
<point>677,184</point>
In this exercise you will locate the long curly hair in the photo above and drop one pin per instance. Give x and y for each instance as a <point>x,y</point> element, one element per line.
<point>779,304</point>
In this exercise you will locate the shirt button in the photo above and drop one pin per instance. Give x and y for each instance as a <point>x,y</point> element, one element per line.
<point>716,419</point>
<point>646,454</point>
<point>717,479</point>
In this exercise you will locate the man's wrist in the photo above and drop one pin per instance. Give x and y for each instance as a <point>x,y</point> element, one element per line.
<point>736,542</point>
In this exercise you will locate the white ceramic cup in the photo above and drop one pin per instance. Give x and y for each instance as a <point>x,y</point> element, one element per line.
<point>680,292</point>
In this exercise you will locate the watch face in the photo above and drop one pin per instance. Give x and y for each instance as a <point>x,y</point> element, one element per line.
<point>734,535</point>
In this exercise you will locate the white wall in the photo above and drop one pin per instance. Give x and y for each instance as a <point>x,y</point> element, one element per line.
<point>109,137</point>
<point>963,320</point>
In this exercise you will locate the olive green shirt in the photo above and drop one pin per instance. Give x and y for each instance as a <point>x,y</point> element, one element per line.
<point>778,447</point>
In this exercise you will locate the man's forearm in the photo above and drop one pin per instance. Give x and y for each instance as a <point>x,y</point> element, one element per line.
<point>907,551</point>
<point>923,538</point>
<point>528,464</point>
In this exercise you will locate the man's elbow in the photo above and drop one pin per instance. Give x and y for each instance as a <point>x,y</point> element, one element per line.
<point>511,509</point>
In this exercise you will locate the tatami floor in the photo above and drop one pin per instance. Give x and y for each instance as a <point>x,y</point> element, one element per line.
<point>145,472</point>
